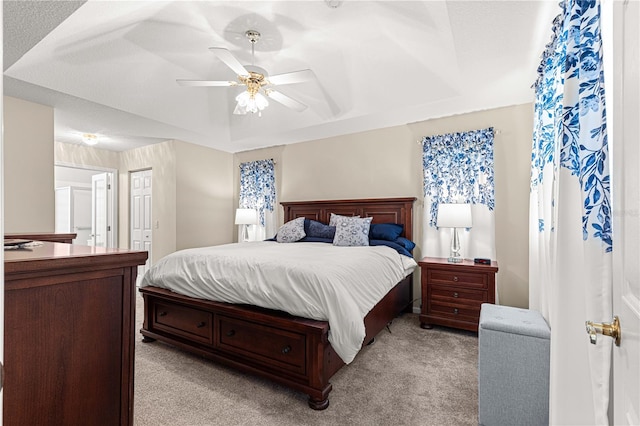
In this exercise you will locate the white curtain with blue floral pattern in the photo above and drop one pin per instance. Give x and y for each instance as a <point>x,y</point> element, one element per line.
<point>458,168</point>
<point>258,191</point>
<point>570,273</point>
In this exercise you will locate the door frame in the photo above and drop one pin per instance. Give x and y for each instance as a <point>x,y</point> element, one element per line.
<point>113,212</point>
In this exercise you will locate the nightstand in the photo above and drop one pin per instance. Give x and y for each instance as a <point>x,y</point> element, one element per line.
<point>453,292</point>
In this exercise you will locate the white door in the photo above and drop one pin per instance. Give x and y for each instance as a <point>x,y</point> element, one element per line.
<point>99,210</point>
<point>626,214</point>
<point>141,223</point>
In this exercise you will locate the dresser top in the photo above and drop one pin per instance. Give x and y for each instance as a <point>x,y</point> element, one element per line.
<point>46,255</point>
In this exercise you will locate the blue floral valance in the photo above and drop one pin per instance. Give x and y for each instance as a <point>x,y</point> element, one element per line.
<point>258,186</point>
<point>458,168</point>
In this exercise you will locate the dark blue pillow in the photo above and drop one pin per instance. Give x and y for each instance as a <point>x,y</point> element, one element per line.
<point>320,230</point>
<point>385,231</point>
<point>397,247</point>
<point>408,244</point>
<point>309,239</point>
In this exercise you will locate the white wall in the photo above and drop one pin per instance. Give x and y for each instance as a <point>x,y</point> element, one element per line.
<point>28,167</point>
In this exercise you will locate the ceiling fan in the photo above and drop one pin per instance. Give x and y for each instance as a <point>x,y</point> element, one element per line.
<point>256,80</point>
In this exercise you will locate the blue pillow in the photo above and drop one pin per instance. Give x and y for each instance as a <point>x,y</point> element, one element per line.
<point>309,239</point>
<point>408,244</point>
<point>320,230</point>
<point>385,231</point>
<point>397,247</point>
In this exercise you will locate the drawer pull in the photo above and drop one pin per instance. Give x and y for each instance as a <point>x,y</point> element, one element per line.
<point>455,294</point>
<point>286,349</point>
<point>163,313</point>
<point>231,333</point>
<point>455,278</point>
<point>201,324</point>
<point>455,311</point>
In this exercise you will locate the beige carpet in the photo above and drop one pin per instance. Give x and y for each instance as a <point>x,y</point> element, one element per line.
<point>410,376</point>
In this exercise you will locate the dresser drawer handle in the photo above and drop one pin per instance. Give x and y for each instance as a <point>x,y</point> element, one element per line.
<point>163,313</point>
<point>455,294</point>
<point>231,333</point>
<point>455,278</point>
<point>286,349</point>
<point>201,324</point>
<point>455,311</point>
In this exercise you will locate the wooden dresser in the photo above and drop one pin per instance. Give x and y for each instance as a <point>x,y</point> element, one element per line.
<point>453,292</point>
<point>69,335</point>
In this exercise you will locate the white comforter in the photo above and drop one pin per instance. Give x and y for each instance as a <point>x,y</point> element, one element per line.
<point>312,280</point>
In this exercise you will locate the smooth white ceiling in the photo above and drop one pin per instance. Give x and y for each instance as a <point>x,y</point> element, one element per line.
<point>110,67</point>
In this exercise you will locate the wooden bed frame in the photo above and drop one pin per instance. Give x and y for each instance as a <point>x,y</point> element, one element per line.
<point>289,350</point>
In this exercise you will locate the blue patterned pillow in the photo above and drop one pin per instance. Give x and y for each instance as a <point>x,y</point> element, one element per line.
<point>333,219</point>
<point>291,231</point>
<point>352,231</point>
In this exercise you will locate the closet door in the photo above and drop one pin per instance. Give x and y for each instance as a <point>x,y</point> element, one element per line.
<point>141,220</point>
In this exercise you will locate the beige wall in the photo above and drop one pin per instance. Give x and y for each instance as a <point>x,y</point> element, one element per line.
<point>204,196</point>
<point>28,167</point>
<point>388,163</point>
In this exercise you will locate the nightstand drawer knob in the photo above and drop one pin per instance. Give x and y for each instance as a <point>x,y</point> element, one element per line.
<point>455,294</point>
<point>455,311</point>
<point>455,278</point>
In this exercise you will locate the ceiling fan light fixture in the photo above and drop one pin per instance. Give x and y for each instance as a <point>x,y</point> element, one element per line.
<point>250,102</point>
<point>90,139</point>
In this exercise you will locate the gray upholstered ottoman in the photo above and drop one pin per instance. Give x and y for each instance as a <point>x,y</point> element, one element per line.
<point>513,366</point>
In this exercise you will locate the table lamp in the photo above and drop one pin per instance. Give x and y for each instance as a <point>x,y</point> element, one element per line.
<point>454,216</point>
<point>244,218</point>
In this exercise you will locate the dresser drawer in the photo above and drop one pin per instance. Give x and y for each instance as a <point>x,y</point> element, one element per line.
<point>457,295</point>
<point>455,278</point>
<point>183,321</point>
<point>274,346</point>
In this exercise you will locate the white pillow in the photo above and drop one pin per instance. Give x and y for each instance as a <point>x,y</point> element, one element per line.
<point>335,217</point>
<point>291,231</point>
<point>352,231</point>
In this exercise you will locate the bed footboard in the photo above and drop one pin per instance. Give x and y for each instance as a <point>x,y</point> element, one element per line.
<point>289,350</point>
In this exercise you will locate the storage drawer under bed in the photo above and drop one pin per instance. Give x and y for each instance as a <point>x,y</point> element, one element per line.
<point>182,321</point>
<point>270,345</point>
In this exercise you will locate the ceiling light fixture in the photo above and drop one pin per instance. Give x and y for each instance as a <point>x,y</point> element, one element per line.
<point>90,139</point>
<point>251,100</point>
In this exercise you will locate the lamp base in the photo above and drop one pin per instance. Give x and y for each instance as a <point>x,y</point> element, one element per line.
<point>455,259</point>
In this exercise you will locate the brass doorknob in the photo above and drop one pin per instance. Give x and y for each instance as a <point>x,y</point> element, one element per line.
<point>606,329</point>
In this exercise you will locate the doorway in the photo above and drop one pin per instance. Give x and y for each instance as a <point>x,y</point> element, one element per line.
<point>86,204</point>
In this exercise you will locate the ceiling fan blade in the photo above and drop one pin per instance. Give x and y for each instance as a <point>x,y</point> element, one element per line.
<point>286,100</point>
<point>231,61</point>
<point>292,77</point>
<point>209,83</point>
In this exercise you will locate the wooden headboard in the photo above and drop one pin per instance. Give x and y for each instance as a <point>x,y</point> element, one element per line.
<point>383,210</point>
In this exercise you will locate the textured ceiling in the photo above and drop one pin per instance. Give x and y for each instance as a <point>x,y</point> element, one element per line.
<point>111,67</point>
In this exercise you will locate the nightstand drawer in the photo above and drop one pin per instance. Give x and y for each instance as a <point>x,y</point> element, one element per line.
<point>457,295</point>
<point>452,293</point>
<point>455,278</point>
<point>461,312</point>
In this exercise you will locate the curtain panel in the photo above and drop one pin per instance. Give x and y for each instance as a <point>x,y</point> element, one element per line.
<point>570,244</point>
<point>458,168</point>
<point>258,191</point>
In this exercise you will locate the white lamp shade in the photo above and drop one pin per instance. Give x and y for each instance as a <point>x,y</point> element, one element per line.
<point>454,216</point>
<point>246,217</point>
